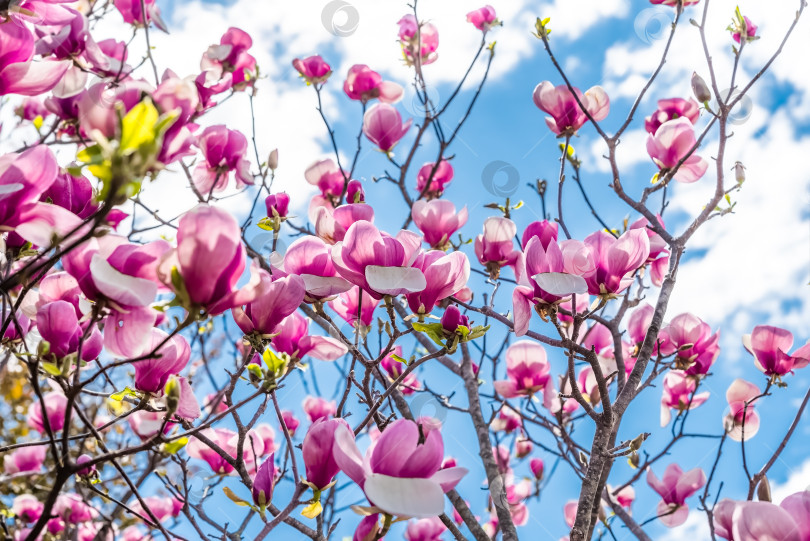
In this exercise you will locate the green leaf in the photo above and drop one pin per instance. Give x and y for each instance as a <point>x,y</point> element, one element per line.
<point>119,396</point>
<point>275,363</point>
<point>173,446</point>
<point>51,368</point>
<point>399,359</point>
<point>434,330</point>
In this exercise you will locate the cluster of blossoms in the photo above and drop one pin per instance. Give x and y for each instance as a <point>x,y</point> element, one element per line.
<point>88,306</point>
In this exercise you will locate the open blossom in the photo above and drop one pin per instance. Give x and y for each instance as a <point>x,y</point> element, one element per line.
<point>210,259</point>
<point>25,459</point>
<point>378,262</point>
<point>495,247</point>
<point>319,408</point>
<point>55,406</point>
<point>230,59</point>
<point>425,529</point>
<point>401,472</point>
<point>670,109</point>
<point>567,116</point>
<point>27,507</point>
<point>310,258</point>
<point>223,153</point>
<point>58,324</point>
<point>759,521</point>
<point>528,372</point>
<point>19,73</point>
<point>670,144</point>
<point>770,345</point>
<point>616,260</point>
<point>364,84</point>
<point>674,487</point>
<point>483,18</point>
<point>319,461</point>
<point>280,298</point>
<point>290,421</point>
<point>331,224</point>
<point>507,421</point>
<point>444,275</point>
<point>428,35</point>
<point>313,69</point>
<point>691,339</point>
<point>152,374</point>
<point>658,260</point>
<point>132,11</point>
<point>383,126</point>
<point>346,306</point>
<point>742,420</point>
<point>442,176</point>
<point>438,221</point>
<point>162,507</point>
<point>227,440</point>
<point>678,394</point>
<point>292,337</point>
<point>743,28</point>
<point>327,176</point>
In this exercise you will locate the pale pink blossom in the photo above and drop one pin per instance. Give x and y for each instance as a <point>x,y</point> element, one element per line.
<point>313,69</point>
<point>674,487</point>
<point>678,394</point>
<point>770,345</point>
<point>442,175</point>
<point>364,84</point>
<point>292,337</point>
<point>319,408</point>
<point>567,117</point>
<point>670,109</point>
<point>383,126</point>
<point>528,372</point>
<point>670,144</point>
<point>428,36</point>
<point>742,420</point>
<point>438,221</point>
<point>483,18</point>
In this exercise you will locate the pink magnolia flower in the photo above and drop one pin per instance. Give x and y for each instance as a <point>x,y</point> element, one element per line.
<point>639,324</point>
<point>319,408</point>
<point>58,324</point>
<point>24,178</point>
<point>695,347</point>
<point>749,33</point>
<point>180,96</point>
<point>223,152</point>
<point>290,421</point>
<point>145,424</point>
<point>152,374</point>
<point>438,221</point>
<point>758,521</point>
<point>277,204</point>
<point>71,193</point>
<point>313,69</point>
<point>327,176</point>
<point>25,459</point>
<point>442,176</point>
<point>364,84</point>
<point>537,467</point>
<point>378,262</point>
<point>674,488</point>
<point>293,338</point>
<point>570,512</point>
<point>319,461</point>
<point>452,319</point>
<point>495,247</point>
<point>507,421</point>
<point>310,258</point>
<point>671,109</point>
<point>670,144</point>
<point>742,421</point>
<point>616,260</point>
<point>162,507</point>
<point>132,11</point>
<point>546,231</point>
<point>368,528</point>
<point>567,116</point>
<point>523,448</point>
<point>625,497</point>
<point>678,394</point>
<point>684,3</point>
<point>19,73</point>
<point>55,406</point>
<point>425,529</point>
<point>400,473</point>
<point>346,306</point>
<point>280,298</point>
<point>263,482</point>
<point>383,126</point>
<point>231,59</point>
<point>210,259</point>
<point>483,18</point>
<point>528,372</point>
<point>769,346</point>
<point>72,509</point>
<point>226,440</point>
<point>395,368</point>
<point>428,35</point>
<point>444,275</point>
<point>331,224</point>
<point>27,507</point>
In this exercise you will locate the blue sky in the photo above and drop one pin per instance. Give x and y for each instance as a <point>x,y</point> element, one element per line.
<point>745,269</point>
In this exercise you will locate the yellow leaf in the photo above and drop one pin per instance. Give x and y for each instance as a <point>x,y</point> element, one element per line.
<point>312,510</point>
<point>138,126</point>
<point>38,122</point>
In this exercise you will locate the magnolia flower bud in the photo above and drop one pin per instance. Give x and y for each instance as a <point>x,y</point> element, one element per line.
<point>700,89</point>
<point>172,392</point>
<point>764,490</point>
<point>739,172</point>
<point>272,160</point>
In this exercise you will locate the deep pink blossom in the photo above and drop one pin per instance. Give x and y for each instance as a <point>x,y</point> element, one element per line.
<point>567,116</point>
<point>313,69</point>
<point>383,126</point>
<point>27,507</point>
<point>327,176</point>
<point>428,35</point>
<point>263,482</point>
<point>671,109</point>
<point>378,262</point>
<point>55,406</point>
<point>19,73</point>
<point>758,520</point>
<point>290,421</point>
<point>224,152</point>
<point>227,441</point>
<point>319,408</point>
<point>438,183</point>
<point>483,18</point>
<point>546,231</point>
<point>395,369</point>
<point>425,529</point>
<point>684,3</point>
<point>537,467</point>
<point>528,372</point>
<point>674,487</point>
<point>152,374</point>
<point>616,260</point>
<point>277,204</point>
<point>693,343</point>
<point>133,13</point>
<point>292,337</point>
<point>444,275</point>
<point>507,421</point>
<point>400,473</point>
<point>770,345</point>
<point>346,306</point>
<point>331,224</point>
<point>495,247</point>
<point>310,258</point>
<point>438,221</point>
<point>58,324</point>
<point>364,84</point>
<point>320,464</point>
<point>279,299</point>
<point>749,33</point>
<point>670,144</point>
<point>25,459</point>
<point>231,58</point>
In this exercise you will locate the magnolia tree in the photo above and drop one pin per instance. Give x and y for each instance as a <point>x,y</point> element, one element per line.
<point>144,374</point>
